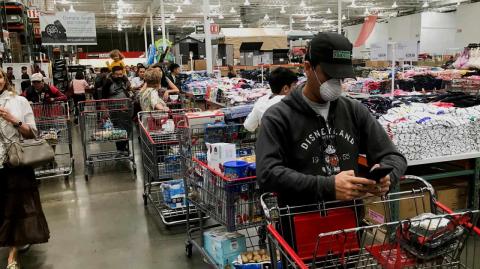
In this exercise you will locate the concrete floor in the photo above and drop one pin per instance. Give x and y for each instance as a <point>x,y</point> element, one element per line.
<point>103,224</point>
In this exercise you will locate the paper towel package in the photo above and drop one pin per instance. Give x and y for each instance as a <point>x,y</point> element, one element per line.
<point>219,153</point>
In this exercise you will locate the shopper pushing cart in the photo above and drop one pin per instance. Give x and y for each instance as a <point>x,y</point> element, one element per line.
<point>309,143</point>
<point>54,125</point>
<point>102,124</point>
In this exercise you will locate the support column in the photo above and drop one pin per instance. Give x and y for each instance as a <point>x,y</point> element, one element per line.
<point>339,16</point>
<point>145,36</point>
<point>208,35</point>
<point>162,12</point>
<point>152,36</point>
<point>126,41</point>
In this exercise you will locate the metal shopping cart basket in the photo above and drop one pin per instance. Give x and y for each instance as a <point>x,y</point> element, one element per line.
<point>53,125</point>
<point>331,234</point>
<point>163,167</point>
<point>102,124</point>
<point>233,202</point>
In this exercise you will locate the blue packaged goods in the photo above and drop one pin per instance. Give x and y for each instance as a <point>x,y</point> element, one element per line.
<point>237,111</point>
<point>235,169</point>
<point>252,170</point>
<point>174,193</point>
<point>172,164</point>
<point>224,247</point>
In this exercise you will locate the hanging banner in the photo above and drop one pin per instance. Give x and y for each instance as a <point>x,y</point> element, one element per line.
<point>367,29</point>
<point>378,51</point>
<point>68,28</point>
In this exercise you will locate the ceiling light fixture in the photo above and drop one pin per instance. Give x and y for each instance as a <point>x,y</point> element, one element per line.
<point>458,3</point>
<point>212,21</point>
<point>221,16</point>
<point>266,17</point>
<point>307,26</point>
<point>172,17</point>
<point>232,10</point>
<point>366,13</point>
<point>309,18</point>
<point>119,27</point>
<point>394,4</point>
<point>120,2</point>
<point>179,9</point>
<point>246,3</point>
<point>425,4</point>
<point>329,11</point>
<point>64,2</point>
<point>292,20</point>
<point>283,10</point>
<point>241,25</point>
<point>168,20</point>
<point>344,17</point>
<point>353,5</point>
<point>71,9</point>
<point>302,4</point>
<point>187,2</point>
<point>119,15</point>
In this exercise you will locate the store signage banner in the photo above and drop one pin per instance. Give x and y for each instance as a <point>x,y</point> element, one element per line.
<point>68,28</point>
<point>378,51</point>
<point>367,29</point>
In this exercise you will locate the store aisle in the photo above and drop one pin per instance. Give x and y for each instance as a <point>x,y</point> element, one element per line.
<point>103,224</point>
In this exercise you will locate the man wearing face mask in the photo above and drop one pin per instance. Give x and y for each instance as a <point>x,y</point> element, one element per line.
<point>309,143</point>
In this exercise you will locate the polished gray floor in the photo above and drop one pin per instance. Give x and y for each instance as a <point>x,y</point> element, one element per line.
<point>103,224</point>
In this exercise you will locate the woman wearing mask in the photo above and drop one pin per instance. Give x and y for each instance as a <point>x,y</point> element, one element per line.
<point>22,221</point>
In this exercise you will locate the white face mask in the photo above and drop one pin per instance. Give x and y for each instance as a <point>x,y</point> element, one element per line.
<point>330,90</point>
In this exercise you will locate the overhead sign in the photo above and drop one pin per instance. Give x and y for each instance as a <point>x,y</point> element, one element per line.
<point>378,51</point>
<point>199,29</point>
<point>68,28</point>
<point>214,29</point>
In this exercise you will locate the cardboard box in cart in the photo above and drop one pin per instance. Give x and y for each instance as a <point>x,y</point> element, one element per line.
<point>197,119</point>
<point>453,195</point>
<point>224,247</point>
<point>220,153</point>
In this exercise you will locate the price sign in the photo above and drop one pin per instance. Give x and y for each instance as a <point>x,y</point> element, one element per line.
<point>407,51</point>
<point>378,51</point>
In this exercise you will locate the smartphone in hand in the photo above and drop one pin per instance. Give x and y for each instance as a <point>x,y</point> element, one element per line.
<point>380,172</point>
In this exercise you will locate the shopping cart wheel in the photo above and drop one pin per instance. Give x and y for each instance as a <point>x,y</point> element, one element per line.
<point>145,200</point>
<point>188,249</point>
<point>86,178</point>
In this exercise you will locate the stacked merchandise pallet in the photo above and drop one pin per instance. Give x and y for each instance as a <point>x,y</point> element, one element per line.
<point>220,181</point>
<point>60,75</point>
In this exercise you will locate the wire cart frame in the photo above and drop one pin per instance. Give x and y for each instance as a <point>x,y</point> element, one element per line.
<point>54,125</point>
<point>163,166</point>
<point>103,123</point>
<point>334,237</point>
<point>232,202</point>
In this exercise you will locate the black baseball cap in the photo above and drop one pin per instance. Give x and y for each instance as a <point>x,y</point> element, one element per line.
<point>333,52</point>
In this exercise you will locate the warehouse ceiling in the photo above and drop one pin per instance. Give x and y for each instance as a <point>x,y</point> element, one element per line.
<point>182,15</point>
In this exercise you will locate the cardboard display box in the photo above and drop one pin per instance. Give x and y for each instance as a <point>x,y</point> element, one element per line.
<point>453,195</point>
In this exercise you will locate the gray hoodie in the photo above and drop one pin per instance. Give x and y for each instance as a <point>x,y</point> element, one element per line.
<point>299,153</point>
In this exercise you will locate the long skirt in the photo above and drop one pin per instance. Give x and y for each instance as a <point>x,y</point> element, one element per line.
<point>22,220</point>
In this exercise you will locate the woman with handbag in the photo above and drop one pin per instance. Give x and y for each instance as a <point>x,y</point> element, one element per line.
<point>22,221</point>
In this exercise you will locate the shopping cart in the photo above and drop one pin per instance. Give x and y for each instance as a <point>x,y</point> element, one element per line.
<point>102,124</point>
<point>163,167</point>
<point>232,202</point>
<point>331,234</point>
<point>53,125</point>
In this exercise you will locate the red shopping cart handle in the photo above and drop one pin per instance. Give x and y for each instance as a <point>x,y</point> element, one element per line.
<point>449,211</point>
<point>286,247</point>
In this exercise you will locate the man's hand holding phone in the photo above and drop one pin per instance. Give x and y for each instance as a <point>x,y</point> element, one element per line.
<point>349,187</point>
<point>381,175</point>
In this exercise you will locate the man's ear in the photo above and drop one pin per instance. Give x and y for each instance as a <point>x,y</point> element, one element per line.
<point>308,66</point>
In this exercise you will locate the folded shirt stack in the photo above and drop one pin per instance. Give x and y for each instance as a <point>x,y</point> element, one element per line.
<point>422,131</point>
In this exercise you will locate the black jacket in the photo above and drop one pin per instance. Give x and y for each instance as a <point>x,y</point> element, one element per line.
<point>120,90</point>
<point>298,155</point>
